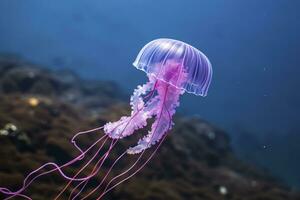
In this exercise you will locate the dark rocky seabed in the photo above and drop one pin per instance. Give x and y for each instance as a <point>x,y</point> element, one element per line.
<point>40,110</point>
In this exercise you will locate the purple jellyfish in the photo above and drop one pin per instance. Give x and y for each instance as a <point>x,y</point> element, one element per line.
<point>173,68</point>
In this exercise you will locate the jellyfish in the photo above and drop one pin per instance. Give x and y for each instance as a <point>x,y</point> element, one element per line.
<point>173,67</point>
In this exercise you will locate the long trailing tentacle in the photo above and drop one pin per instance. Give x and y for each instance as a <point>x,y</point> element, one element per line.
<point>103,158</point>
<point>75,176</point>
<point>56,167</point>
<point>135,172</point>
<point>103,179</point>
<point>95,170</point>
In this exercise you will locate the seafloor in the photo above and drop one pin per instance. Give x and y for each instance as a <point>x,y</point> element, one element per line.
<point>40,110</point>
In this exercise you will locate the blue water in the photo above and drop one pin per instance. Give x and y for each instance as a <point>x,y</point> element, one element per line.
<point>253,46</point>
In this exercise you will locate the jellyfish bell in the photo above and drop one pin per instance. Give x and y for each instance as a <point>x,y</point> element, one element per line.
<point>173,68</point>
<point>156,57</point>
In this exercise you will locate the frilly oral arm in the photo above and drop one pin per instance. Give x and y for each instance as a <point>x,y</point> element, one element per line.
<point>138,119</point>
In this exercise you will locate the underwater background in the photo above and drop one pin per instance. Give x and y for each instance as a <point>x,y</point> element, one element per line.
<point>253,99</point>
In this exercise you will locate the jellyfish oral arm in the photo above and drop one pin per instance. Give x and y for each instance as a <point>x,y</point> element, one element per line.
<point>128,124</point>
<point>164,98</point>
<point>168,100</point>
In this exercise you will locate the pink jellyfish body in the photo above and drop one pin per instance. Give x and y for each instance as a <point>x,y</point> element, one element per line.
<point>173,68</point>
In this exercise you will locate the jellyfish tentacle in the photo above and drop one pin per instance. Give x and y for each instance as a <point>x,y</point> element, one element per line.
<point>107,188</point>
<point>27,181</point>
<point>95,170</point>
<point>73,141</point>
<point>8,192</point>
<point>56,168</point>
<point>74,178</point>
<point>104,178</point>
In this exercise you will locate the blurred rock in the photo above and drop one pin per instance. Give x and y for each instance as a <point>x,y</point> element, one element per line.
<point>19,76</point>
